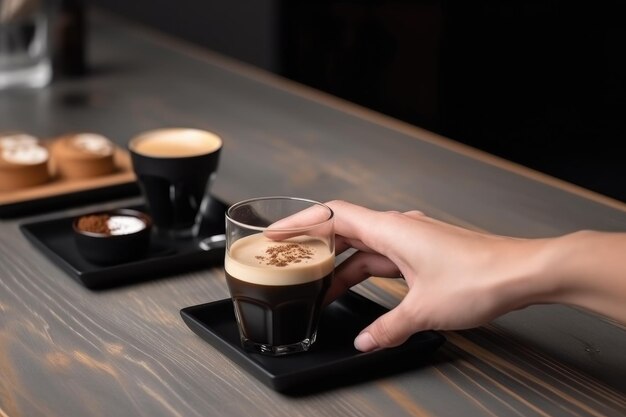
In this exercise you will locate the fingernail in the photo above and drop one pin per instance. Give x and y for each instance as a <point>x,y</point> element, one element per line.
<point>365,342</point>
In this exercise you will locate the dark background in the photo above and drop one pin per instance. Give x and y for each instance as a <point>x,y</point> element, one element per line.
<point>541,83</point>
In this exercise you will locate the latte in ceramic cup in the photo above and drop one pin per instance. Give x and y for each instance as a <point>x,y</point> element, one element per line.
<point>174,168</point>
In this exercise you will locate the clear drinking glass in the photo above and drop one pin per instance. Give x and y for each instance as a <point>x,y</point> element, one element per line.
<point>279,273</point>
<point>24,43</point>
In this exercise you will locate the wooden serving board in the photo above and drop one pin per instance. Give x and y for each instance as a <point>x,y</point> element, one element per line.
<point>63,192</point>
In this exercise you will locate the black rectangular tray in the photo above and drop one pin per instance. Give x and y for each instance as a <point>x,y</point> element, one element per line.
<point>54,239</point>
<point>330,362</point>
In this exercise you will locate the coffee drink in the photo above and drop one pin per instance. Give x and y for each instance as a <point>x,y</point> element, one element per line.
<point>279,265</point>
<point>174,168</point>
<point>278,287</point>
<point>176,143</point>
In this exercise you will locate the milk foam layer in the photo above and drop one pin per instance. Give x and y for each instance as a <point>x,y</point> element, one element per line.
<point>176,143</point>
<point>243,262</point>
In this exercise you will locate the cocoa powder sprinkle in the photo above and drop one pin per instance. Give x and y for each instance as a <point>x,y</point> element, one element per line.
<point>96,223</point>
<point>282,255</point>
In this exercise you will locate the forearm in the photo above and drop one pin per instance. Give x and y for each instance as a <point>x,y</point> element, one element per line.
<point>584,269</point>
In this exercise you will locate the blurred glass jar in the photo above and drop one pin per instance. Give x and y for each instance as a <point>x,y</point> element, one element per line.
<point>69,39</point>
<point>25,43</point>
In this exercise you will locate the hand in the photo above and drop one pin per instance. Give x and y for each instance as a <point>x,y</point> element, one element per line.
<point>457,278</point>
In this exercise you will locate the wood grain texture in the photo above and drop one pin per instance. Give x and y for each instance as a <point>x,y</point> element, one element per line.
<point>68,351</point>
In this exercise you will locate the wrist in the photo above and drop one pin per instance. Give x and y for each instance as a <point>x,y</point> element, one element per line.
<point>584,269</point>
<point>589,268</point>
<point>528,273</point>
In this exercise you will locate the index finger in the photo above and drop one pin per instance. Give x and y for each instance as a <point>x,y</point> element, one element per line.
<point>357,223</point>
<point>310,216</point>
<point>353,222</point>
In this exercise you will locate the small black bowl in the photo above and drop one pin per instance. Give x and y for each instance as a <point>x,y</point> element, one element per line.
<point>108,249</point>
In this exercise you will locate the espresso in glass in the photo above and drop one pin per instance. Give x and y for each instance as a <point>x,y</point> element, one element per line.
<point>278,285</point>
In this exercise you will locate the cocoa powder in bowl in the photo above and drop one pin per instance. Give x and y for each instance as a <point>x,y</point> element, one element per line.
<point>114,236</point>
<point>94,223</point>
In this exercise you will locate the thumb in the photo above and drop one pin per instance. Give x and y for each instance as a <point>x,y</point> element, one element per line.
<point>390,329</point>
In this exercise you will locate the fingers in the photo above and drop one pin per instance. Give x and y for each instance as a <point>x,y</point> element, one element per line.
<point>292,225</point>
<point>357,268</point>
<point>343,210</point>
<point>354,226</point>
<point>390,329</point>
<point>378,236</point>
<point>350,219</point>
<point>415,214</point>
<point>343,243</point>
<point>369,227</point>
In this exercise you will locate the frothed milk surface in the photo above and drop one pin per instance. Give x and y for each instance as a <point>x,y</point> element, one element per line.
<point>298,260</point>
<point>176,143</point>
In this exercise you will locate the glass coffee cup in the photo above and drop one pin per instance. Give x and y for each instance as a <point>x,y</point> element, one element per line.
<point>278,272</point>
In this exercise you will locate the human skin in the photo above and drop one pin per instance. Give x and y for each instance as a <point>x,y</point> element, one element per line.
<point>460,278</point>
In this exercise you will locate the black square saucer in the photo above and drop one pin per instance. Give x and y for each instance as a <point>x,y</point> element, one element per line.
<point>55,239</point>
<point>332,360</point>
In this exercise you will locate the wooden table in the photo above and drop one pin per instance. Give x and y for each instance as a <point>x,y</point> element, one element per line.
<point>68,351</point>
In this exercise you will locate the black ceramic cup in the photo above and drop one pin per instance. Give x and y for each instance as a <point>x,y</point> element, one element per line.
<point>108,249</point>
<point>174,168</point>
